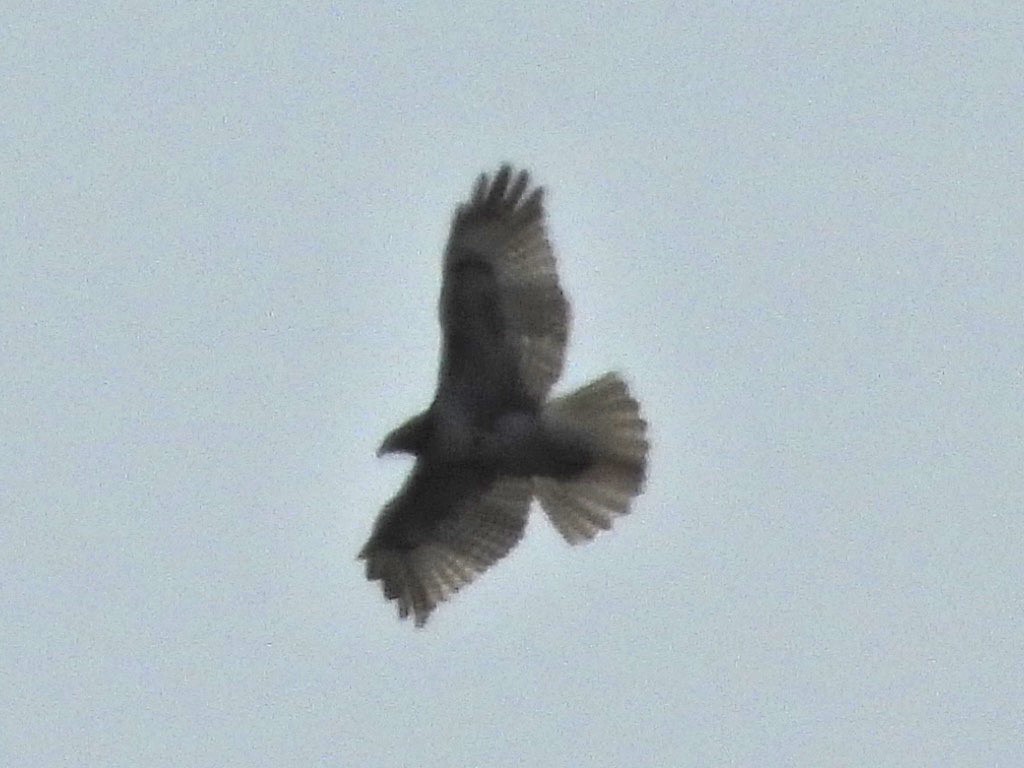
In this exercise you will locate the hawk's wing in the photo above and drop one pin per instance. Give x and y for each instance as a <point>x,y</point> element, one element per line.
<point>446,526</point>
<point>504,318</point>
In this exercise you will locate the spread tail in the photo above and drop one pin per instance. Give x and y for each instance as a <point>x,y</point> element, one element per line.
<point>607,421</point>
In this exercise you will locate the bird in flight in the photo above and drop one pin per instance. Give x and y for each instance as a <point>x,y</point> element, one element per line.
<point>492,439</point>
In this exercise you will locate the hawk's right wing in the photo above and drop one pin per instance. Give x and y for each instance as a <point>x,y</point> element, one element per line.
<point>446,526</point>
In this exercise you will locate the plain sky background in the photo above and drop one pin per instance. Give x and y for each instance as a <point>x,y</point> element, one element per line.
<point>796,227</point>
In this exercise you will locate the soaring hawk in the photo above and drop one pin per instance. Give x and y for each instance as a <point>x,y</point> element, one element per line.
<point>492,439</point>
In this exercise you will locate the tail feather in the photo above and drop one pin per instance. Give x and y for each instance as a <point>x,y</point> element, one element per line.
<point>608,420</point>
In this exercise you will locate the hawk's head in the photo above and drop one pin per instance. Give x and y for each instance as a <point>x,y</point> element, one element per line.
<point>411,437</point>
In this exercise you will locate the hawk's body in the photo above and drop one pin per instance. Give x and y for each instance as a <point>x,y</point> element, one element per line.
<point>491,439</point>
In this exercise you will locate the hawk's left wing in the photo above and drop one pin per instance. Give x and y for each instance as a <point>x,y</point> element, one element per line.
<point>504,318</point>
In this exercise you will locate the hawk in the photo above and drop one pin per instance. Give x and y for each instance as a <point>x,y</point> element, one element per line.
<point>492,439</point>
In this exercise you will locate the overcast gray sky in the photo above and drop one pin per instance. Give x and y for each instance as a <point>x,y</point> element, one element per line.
<point>796,228</point>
